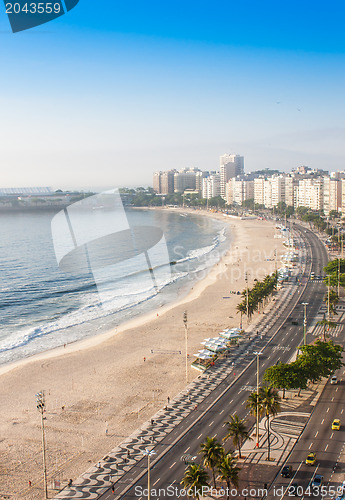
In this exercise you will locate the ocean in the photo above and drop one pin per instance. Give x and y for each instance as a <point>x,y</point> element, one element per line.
<point>43,306</point>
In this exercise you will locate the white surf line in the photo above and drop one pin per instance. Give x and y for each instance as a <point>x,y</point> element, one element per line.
<point>288,486</point>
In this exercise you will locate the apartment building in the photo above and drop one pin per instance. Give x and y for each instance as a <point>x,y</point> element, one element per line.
<point>211,186</point>
<point>239,190</point>
<point>231,165</point>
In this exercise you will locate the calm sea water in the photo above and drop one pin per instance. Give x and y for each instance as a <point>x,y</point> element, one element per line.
<point>42,307</point>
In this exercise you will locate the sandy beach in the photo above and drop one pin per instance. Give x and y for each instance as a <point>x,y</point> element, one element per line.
<point>100,390</point>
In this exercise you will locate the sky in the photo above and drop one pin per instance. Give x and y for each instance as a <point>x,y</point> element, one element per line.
<point>114,90</point>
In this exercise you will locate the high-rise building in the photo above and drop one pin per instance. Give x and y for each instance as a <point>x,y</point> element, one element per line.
<point>332,198</point>
<point>239,190</point>
<point>185,179</point>
<point>310,193</point>
<point>163,182</point>
<point>157,182</point>
<point>211,186</point>
<point>230,166</point>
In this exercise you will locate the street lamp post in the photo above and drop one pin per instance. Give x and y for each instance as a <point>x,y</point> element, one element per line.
<point>257,354</point>
<point>149,454</point>
<point>40,400</point>
<point>305,304</point>
<point>247,297</point>
<point>185,321</point>
<point>328,296</point>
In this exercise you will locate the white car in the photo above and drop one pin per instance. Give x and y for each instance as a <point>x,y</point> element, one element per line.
<point>334,380</point>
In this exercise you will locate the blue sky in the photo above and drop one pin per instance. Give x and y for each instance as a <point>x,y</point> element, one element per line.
<point>112,91</point>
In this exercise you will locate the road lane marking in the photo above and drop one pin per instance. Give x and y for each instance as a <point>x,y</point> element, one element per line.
<point>199,436</point>
<point>327,410</point>
<point>312,477</point>
<point>185,451</point>
<point>311,444</point>
<point>331,435</point>
<point>221,412</point>
<point>326,447</point>
<point>337,389</point>
<point>243,402</point>
<point>171,466</point>
<point>342,411</point>
<point>316,433</point>
<point>332,398</point>
<point>288,486</point>
<point>231,402</point>
<point>211,423</point>
<point>156,481</point>
<point>322,421</point>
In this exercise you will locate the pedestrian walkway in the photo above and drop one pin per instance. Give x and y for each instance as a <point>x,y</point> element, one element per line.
<point>285,428</point>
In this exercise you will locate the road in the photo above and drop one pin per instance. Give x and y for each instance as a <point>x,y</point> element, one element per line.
<point>231,395</point>
<point>319,438</point>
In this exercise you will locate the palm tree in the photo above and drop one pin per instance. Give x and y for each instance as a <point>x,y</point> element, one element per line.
<point>195,478</point>
<point>253,404</point>
<point>333,301</point>
<point>228,471</point>
<point>330,324</point>
<point>270,402</point>
<point>237,431</point>
<point>212,452</point>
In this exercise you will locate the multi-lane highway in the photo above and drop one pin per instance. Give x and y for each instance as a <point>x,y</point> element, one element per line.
<point>318,437</point>
<point>278,338</point>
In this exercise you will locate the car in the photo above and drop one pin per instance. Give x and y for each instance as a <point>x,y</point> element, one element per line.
<point>293,490</point>
<point>286,471</point>
<point>311,459</point>
<point>334,380</point>
<point>317,481</point>
<point>336,424</point>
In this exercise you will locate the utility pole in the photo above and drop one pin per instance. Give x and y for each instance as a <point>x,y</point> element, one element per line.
<point>185,321</point>
<point>40,400</point>
<point>328,305</point>
<point>305,304</point>
<point>257,354</point>
<point>247,296</point>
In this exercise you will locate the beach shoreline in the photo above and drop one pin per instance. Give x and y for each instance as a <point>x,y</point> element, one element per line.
<point>100,390</point>
<point>141,319</point>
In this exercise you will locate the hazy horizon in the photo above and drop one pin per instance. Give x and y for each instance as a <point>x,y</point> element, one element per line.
<point>106,95</point>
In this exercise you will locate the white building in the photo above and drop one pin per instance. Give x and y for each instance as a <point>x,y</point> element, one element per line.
<point>211,186</point>
<point>238,191</point>
<point>310,193</point>
<point>230,166</point>
<point>332,197</point>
